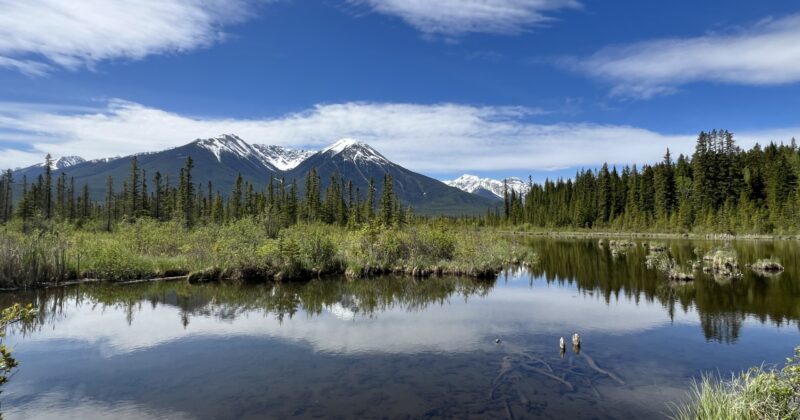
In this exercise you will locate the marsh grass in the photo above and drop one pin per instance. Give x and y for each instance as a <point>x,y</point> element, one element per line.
<point>246,250</point>
<point>759,393</point>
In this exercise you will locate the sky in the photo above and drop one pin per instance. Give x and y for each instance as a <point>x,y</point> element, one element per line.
<point>495,88</point>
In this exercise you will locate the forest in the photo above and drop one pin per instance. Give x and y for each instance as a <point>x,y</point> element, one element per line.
<point>719,188</point>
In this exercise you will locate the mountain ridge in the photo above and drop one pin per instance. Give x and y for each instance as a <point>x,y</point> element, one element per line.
<point>488,187</point>
<point>220,160</point>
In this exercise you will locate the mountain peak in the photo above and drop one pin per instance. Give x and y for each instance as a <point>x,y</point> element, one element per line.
<point>474,184</point>
<point>63,162</point>
<point>341,145</point>
<point>226,143</point>
<point>67,161</point>
<point>355,151</point>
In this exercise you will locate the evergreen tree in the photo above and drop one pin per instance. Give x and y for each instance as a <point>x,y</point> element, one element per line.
<point>47,194</point>
<point>109,202</point>
<point>387,201</point>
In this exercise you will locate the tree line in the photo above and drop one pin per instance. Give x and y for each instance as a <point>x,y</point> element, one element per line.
<point>720,188</point>
<point>280,204</point>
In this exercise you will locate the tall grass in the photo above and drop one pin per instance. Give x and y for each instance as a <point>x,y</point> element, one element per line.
<point>247,250</point>
<point>757,394</point>
<point>26,260</point>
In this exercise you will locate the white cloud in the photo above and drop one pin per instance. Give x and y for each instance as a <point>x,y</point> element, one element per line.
<point>455,327</point>
<point>766,53</point>
<point>36,35</point>
<point>437,138</point>
<point>456,17</point>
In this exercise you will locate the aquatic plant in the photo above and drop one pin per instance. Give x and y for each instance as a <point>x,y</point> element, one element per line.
<point>767,267</point>
<point>660,259</point>
<point>722,262</point>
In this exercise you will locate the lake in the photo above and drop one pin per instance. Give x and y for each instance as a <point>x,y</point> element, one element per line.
<point>395,347</point>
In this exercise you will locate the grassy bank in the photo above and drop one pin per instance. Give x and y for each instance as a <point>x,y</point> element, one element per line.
<point>759,393</point>
<point>246,250</point>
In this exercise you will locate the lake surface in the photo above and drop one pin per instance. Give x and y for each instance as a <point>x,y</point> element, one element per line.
<point>396,348</point>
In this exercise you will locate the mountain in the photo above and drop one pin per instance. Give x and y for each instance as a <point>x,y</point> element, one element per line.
<point>358,162</point>
<point>61,163</point>
<point>220,159</point>
<point>67,161</point>
<point>487,187</point>
<point>282,158</point>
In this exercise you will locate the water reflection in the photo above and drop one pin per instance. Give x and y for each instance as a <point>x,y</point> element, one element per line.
<point>721,306</point>
<point>398,347</point>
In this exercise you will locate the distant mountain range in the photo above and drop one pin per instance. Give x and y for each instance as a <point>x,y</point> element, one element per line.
<point>487,187</point>
<point>220,160</point>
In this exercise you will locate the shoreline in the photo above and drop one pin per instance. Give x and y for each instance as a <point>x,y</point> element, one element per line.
<point>655,235</point>
<point>415,273</point>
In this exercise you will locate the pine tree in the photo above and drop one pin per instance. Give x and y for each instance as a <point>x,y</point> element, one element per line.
<point>369,205</point>
<point>85,202</point>
<point>235,202</point>
<point>109,202</point>
<point>133,192</point>
<point>387,201</point>
<point>187,195</point>
<point>47,197</point>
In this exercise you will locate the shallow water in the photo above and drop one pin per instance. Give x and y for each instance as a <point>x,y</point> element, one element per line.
<point>396,347</point>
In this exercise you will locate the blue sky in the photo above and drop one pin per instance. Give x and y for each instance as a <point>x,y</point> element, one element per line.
<point>491,87</point>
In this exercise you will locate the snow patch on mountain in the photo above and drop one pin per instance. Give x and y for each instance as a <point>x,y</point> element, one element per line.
<point>67,161</point>
<point>273,157</point>
<point>355,151</point>
<point>283,158</point>
<point>472,184</point>
<point>63,162</point>
<point>228,143</point>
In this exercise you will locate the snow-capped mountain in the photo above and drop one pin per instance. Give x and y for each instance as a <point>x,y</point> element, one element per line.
<point>67,161</point>
<point>358,163</point>
<point>487,187</point>
<point>275,157</point>
<point>281,157</point>
<point>355,151</point>
<point>62,162</point>
<point>233,147</point>
<point>218,161</point>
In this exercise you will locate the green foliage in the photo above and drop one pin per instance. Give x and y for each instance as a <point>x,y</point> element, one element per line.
<point>246,248</point>
<point>720,188</point>
<point>8,316</point>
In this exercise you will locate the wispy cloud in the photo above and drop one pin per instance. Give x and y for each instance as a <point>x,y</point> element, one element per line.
<point>37,36</point>
<point>457,17</point>
<point>435,139</point>
<point>766,53</point>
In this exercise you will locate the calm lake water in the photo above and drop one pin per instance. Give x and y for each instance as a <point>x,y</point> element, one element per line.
<point>396,347</point>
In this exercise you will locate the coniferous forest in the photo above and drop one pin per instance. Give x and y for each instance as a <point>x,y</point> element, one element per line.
<point>719,188</point>
<point>280,204</point>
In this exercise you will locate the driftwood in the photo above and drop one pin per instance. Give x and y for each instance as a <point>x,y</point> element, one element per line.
<point>517,366</point>
<point>594,366</point>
